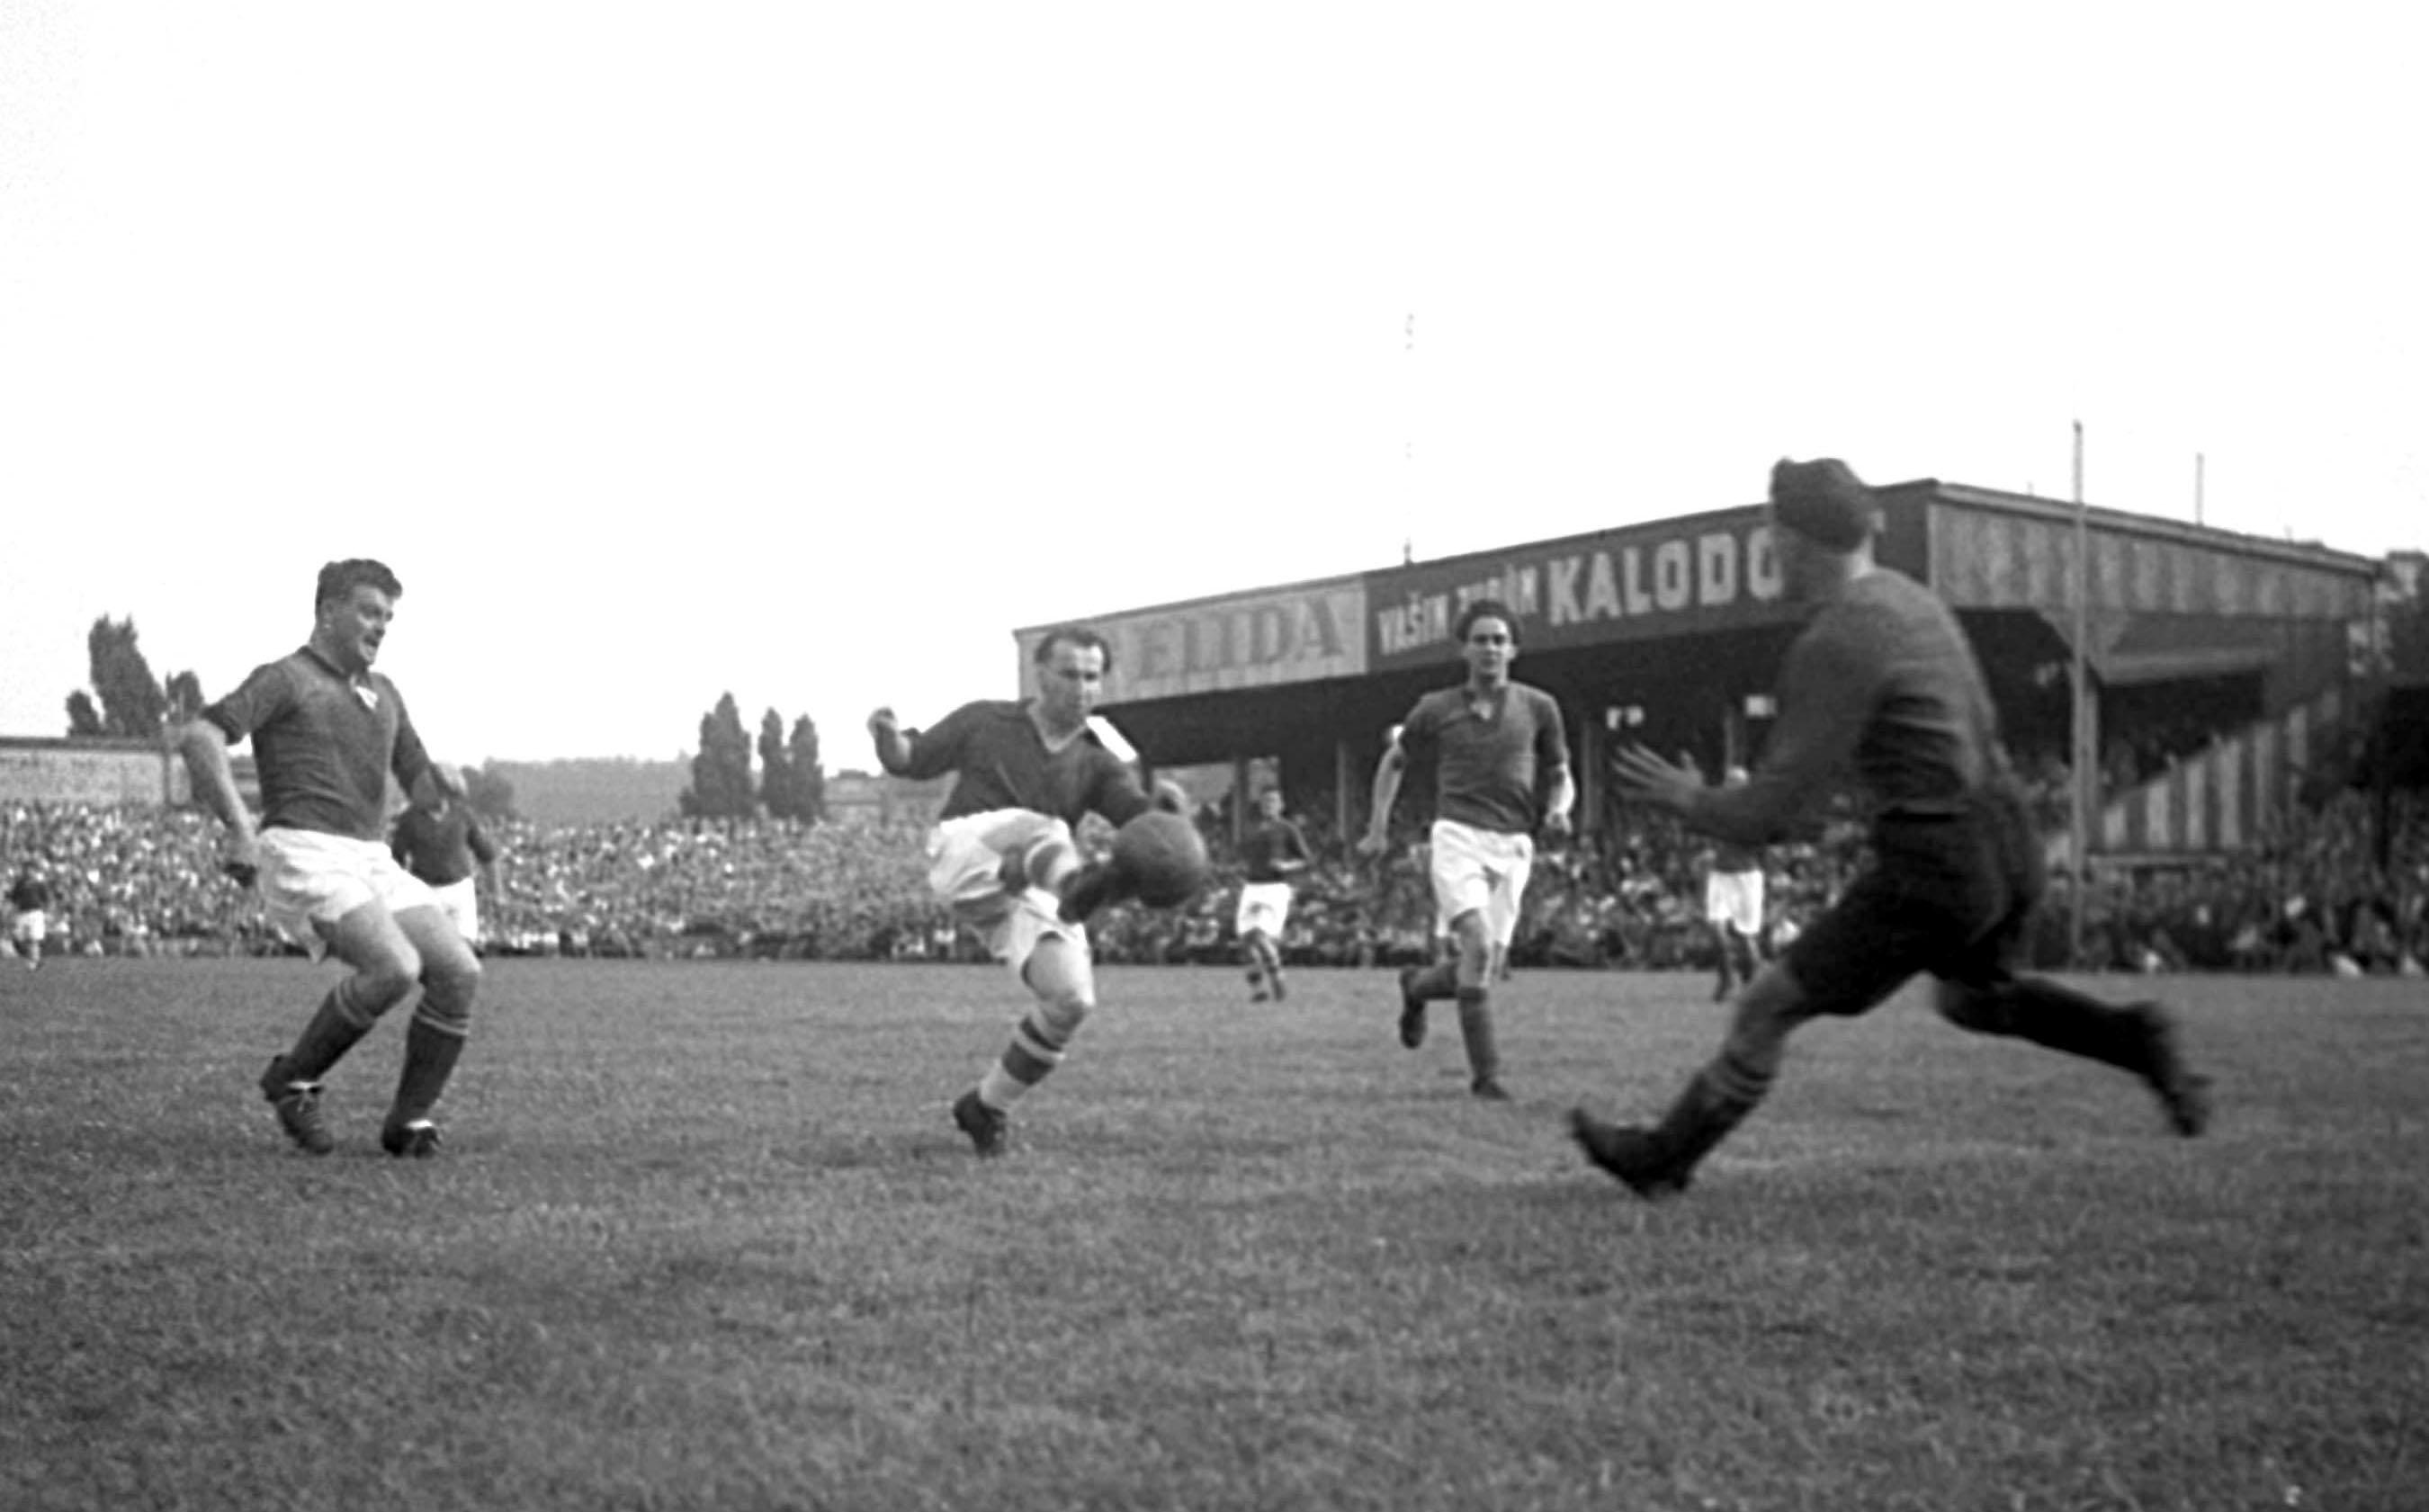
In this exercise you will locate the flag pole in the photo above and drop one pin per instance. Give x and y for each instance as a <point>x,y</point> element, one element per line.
<point>2086,762</point>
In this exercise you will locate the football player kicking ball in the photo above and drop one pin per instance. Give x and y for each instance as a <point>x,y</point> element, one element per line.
<point>1003,858</point>
<point>1883,683</point>
<point>1498,745</point>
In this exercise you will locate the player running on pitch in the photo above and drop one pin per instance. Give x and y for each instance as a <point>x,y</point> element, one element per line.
<point>1497,743</point>
<point>1881,681</point>
<point>1733,906</point>
<point>1270,855</point>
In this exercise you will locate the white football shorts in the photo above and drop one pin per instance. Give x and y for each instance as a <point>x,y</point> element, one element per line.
<point>461,902</point>
<point>1734,898</point>
<point>966,873</point>
<point>1480,871</point>
<point>309,880</point>
<point>1264,907</point>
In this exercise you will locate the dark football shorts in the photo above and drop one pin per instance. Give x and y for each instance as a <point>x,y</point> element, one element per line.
<point>1948,895</point>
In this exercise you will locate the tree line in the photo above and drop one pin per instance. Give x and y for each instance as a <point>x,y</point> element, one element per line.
<point>791,784</point>
<point>125,700</point>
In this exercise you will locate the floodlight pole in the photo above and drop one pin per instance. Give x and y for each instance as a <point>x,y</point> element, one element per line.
<point>2079,723</point>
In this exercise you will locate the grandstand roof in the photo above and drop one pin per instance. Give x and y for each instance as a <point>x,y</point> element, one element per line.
<point>2166,598</point>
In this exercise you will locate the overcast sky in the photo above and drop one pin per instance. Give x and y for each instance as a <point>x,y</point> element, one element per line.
<point>804,350</point>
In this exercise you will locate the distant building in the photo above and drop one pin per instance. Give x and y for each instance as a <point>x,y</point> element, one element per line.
<point>62,769</point>
<point>105,771</point>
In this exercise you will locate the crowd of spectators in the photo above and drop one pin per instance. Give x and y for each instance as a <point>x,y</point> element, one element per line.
<point>129,879</point>
<point>2314,897</point>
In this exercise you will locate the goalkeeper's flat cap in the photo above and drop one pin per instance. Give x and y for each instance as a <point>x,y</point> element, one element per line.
<point>1824,501</point>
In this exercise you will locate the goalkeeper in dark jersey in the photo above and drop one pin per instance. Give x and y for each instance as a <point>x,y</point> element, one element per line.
<point>1882,684</point>
<point>1002,856</point>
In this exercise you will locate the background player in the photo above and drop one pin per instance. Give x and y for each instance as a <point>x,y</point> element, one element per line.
<point>327,732</point>
<point>1496,744</point>
<point>1883,683</point>
<point>1002,855</point>
<point>439,839</point>
<point>1270,854</point>
<point>1733,906</point>
<point>29,905</point>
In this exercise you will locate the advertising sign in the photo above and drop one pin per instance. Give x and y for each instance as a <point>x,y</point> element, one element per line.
<point>1241,641</point>
<point>1675,577</point>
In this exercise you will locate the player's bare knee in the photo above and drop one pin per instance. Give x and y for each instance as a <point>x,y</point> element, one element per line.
<point>1058,971</point>
<point>385,981</point>
<point>1475,945</point>
<point>1063,1015</point>
<point>453,978</point>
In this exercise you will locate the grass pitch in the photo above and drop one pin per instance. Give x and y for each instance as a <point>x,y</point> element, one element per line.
<point>703,1237</point>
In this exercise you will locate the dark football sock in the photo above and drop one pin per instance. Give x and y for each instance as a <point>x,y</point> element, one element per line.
<point>1715,1101</point>
<point>1475,1032</point>
<point>430,1056</point>
<point>335,1027</point>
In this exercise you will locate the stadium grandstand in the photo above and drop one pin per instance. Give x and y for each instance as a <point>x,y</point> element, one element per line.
<point>2222,667</point>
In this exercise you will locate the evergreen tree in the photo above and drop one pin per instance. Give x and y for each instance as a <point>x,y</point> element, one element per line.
<point>84,720</point>
<point>809,778</point>
<point>721,774</point>
<point>186,697</point>
<point>776,782</point>
<point>131,701</point>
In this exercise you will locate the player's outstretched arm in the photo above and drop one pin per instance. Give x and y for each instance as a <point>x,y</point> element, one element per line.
<point>1648,779</point>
